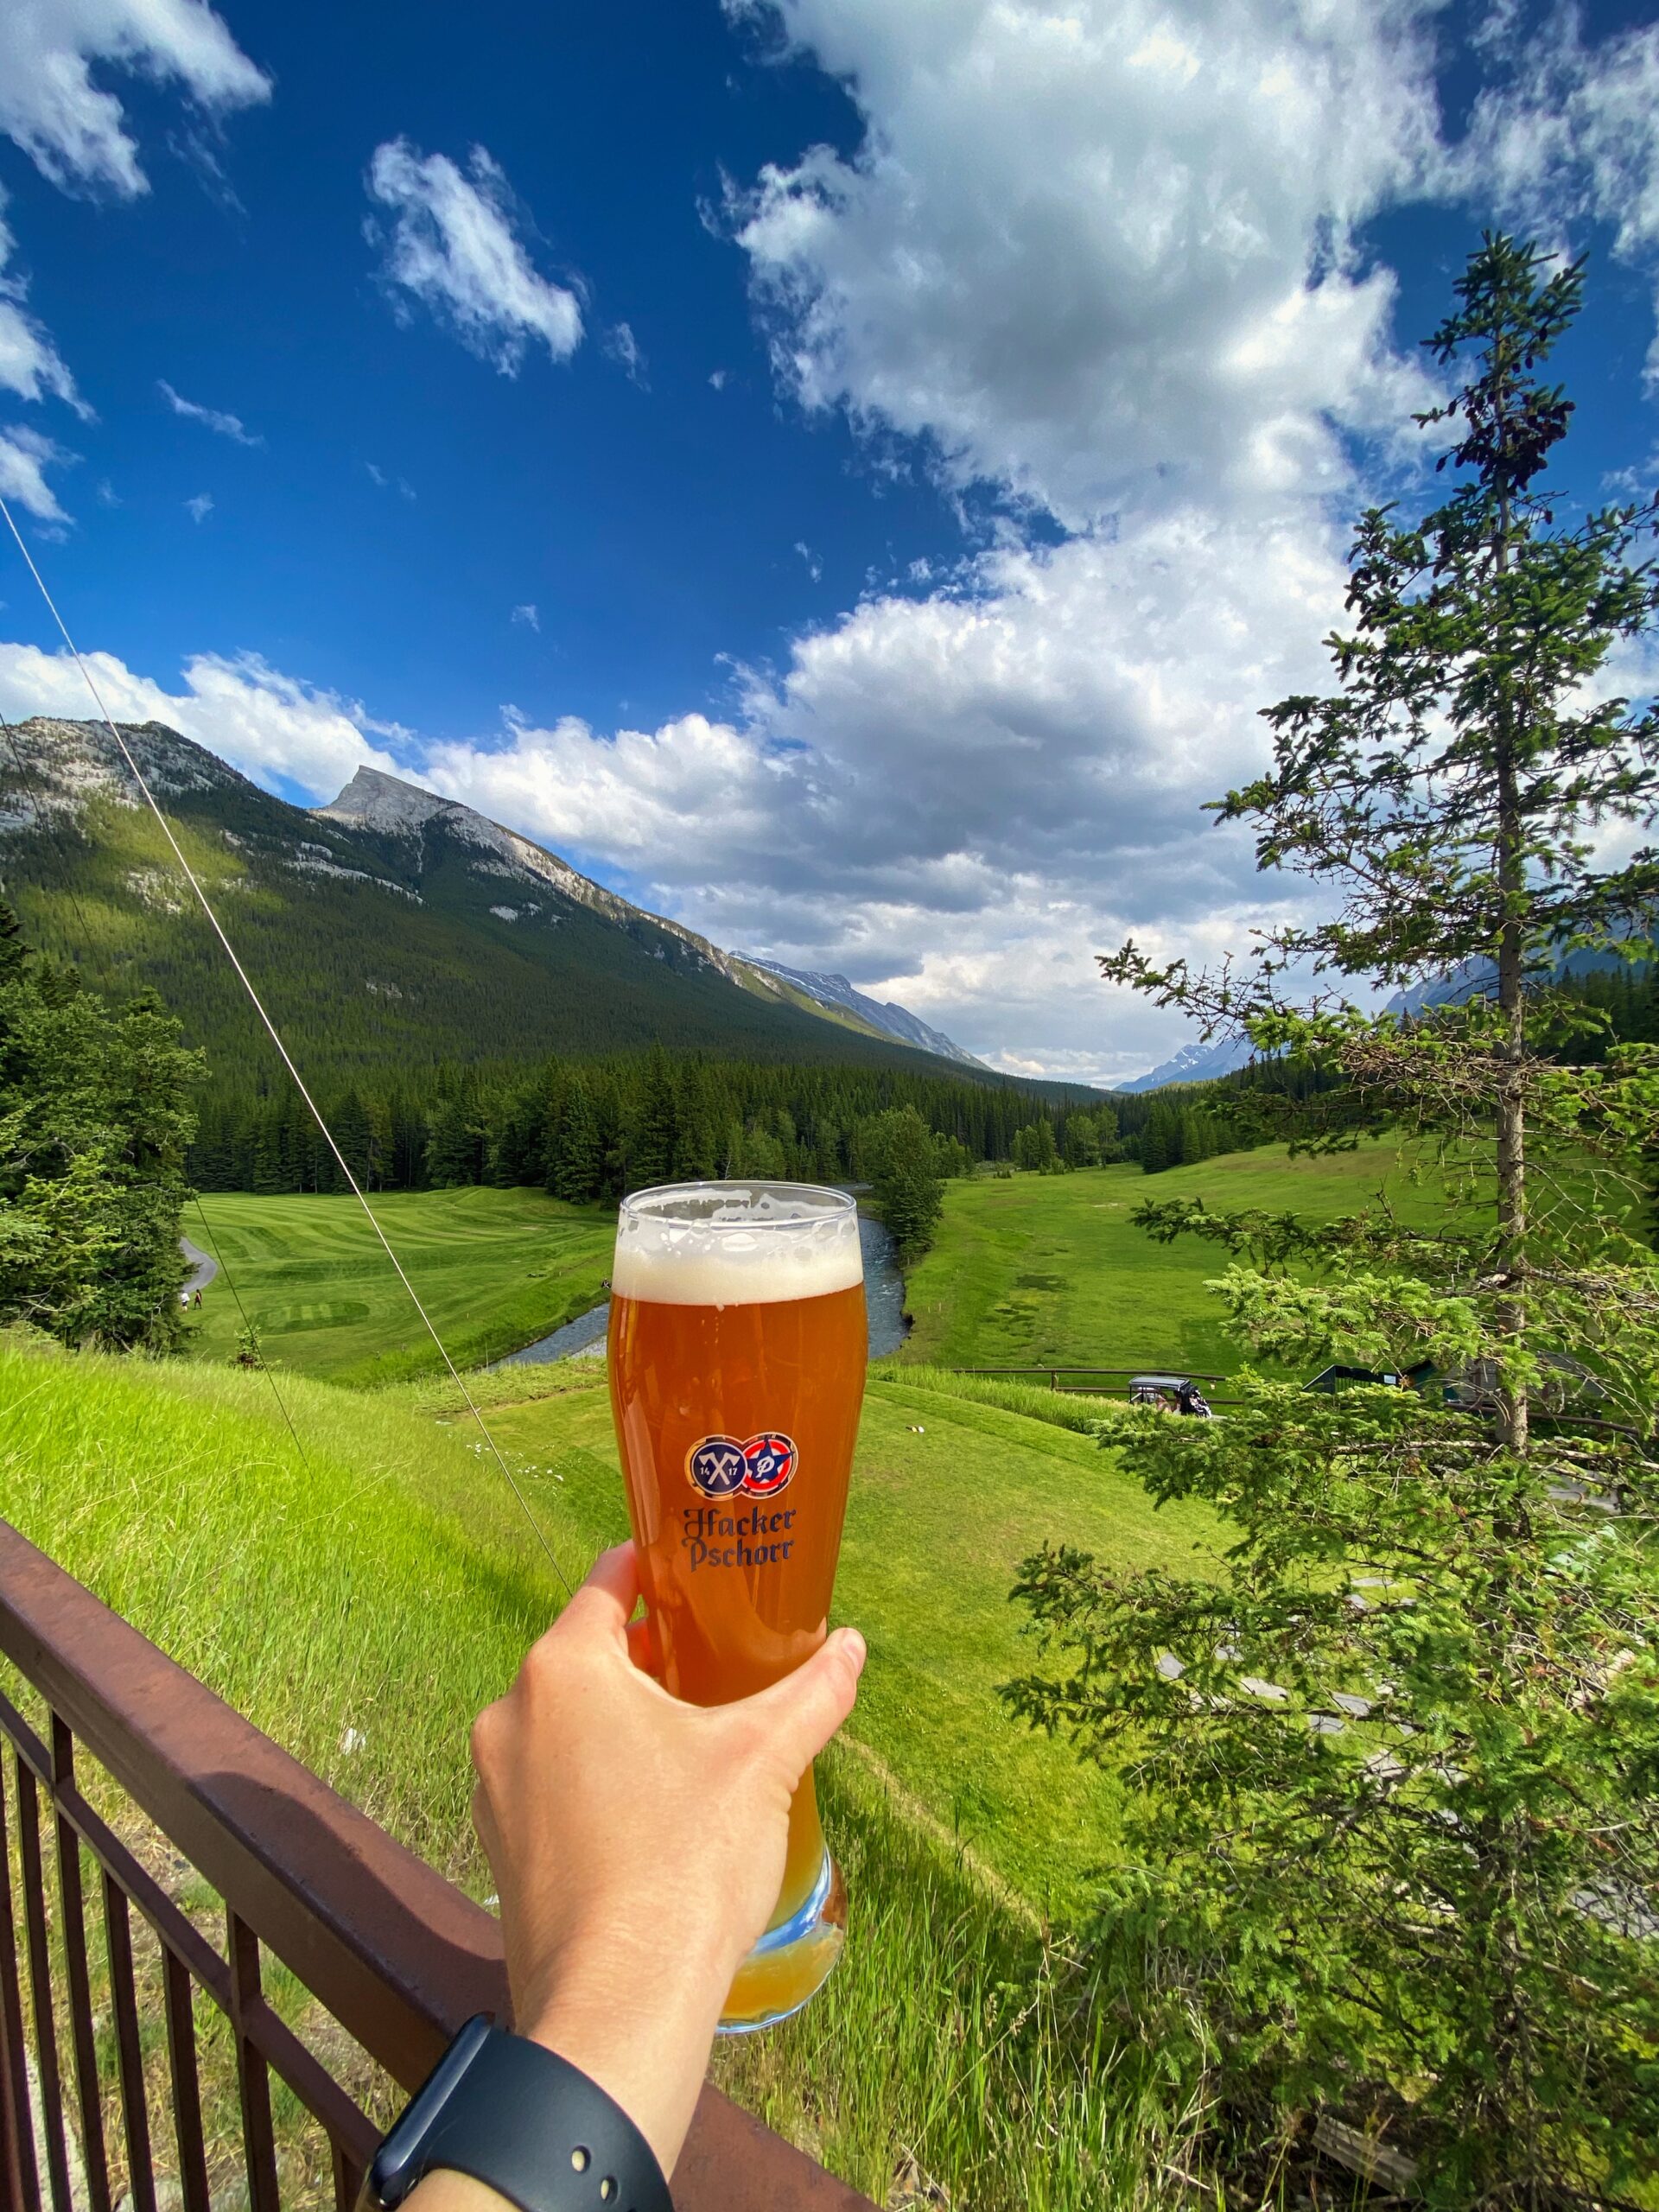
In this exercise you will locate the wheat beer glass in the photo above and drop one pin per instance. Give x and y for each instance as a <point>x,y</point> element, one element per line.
<point>737,1350</point>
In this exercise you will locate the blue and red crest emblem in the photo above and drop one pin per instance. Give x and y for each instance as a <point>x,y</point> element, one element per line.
<point>769,1464</point>
<point>719,1466</point>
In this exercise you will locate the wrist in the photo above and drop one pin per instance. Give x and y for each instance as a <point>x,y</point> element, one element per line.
<point>639,2026</point>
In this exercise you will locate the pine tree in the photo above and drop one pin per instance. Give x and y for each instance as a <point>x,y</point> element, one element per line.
<point>577,1154</point>
<point>904,1178</point>
<point>95,1118</point>
<point>652,1138</point>
<point>696,1150</point>
<point>456,1145</point>
<point>1080,1143</point>
<point>353,1133</point>
<point>1415,1878</point>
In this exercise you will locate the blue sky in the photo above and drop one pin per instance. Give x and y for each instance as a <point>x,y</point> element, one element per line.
<point>845,473</point>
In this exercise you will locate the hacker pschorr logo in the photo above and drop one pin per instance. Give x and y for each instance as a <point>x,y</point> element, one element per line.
<point>720,1466</point>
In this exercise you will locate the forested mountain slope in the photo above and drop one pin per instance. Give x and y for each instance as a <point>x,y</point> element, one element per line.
<point>389,932</point>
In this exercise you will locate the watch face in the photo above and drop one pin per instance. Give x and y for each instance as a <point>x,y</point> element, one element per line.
<point>398,2163</point>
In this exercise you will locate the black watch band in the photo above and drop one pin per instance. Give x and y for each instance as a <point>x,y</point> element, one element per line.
<point>525,2122</point>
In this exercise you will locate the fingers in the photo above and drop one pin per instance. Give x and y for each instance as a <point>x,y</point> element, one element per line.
<point>603,1604</point>
<point>804,1710</point>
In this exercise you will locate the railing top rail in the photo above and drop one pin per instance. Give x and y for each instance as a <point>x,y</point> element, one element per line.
<point>397,1954</point>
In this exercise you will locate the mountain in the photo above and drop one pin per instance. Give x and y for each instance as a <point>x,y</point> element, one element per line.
<point>1474,976</point>
<point>837,993</point>
<point>392,929</point>
<point>1202,1063</point>
<point>1194,1063</point>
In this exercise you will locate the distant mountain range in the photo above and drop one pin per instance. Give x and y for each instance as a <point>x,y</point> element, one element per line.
<point>1202,1063</point>
<point>1196,1062</point>
<point>392,928</point>
<point>837,993</point>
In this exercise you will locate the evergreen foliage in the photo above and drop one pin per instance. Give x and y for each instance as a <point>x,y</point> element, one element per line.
<point>1397,1855</point>
<point>94,1120</point>
<point>897,1149</point>
<point>1035,1148</point>
<point>591,1129</point>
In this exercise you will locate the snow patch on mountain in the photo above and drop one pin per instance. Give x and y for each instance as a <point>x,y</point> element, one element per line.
<point>883,1015</point>
<point>1196,1062</point>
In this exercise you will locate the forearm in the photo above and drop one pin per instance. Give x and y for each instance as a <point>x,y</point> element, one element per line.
<point>635,2026</point>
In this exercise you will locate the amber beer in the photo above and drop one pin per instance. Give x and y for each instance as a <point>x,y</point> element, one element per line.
<point>737,1352</point>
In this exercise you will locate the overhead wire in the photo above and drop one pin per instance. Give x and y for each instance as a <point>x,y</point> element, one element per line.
<point>43,815</point>
<point>249,1339</point>
<point>190,877</point>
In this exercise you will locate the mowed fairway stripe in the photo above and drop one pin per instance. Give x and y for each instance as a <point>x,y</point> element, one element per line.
<point>937,1525</point>
<point>495,1269</point>
<point>1050,1270</point>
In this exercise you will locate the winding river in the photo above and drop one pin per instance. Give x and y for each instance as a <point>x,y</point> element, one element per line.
<point>884,1299</point>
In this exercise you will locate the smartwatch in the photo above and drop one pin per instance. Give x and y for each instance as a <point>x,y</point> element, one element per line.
<point>523,2121</point>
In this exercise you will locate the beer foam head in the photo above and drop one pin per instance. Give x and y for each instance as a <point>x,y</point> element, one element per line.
<point>736,1244</point>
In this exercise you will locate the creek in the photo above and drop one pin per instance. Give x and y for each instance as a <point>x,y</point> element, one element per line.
<point>884,1302</point>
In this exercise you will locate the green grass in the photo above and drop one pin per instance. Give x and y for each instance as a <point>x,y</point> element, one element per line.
<point>1050,1271</point>
<point>495,1269</point>
<point>1081,1411</point>
<point>385,1586</point>
<point>947,1496</point>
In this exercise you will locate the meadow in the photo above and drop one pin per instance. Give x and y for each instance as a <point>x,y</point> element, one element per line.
<point>1051,1271</point>
<point>495,1269</point>
<point>951,2039</point>
<point>392,1588</point>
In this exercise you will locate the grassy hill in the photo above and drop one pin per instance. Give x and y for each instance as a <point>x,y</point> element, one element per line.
<point>495,1269</point>
<point>1048,1270</point>
<point>395,937</point>
<point>1027,1270</point>
<point>361,1602</point>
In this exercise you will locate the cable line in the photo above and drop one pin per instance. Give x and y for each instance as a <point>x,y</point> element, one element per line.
<point>43,815</point>
<point>217,928</point>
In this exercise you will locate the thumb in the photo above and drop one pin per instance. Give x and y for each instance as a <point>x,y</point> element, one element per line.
<point>803,1711</point>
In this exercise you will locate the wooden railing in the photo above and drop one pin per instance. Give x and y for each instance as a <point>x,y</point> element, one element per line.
<point>378,1941</point>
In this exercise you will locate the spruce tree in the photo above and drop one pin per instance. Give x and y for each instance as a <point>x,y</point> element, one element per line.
<point>904,1175</point>
<point>1396,1855</point>
<point>95,1117</point>
<point>651,1140</point>
<point>577,1154</point>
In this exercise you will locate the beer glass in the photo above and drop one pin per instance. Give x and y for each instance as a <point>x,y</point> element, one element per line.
<point>737,1350</point>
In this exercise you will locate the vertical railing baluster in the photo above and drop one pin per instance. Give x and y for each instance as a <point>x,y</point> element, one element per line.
<point>123,2002</point>
<point>19,2171</point>
<point>253,2077</point>
<point>348,2180</point>
<point>83,2036</point>
<point>187,2084</point>
<point>40,1988</point>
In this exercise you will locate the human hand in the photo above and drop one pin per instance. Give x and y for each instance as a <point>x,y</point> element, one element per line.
<point>602,1804</point>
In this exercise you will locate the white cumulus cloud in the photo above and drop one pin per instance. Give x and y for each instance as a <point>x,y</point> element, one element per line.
<point>453,244</point>
<point>1570,134</point>
<point>75,131</point>
<point>1092,252</point>
<point>527,615</point>
<point>212,419</point>
<point>25,456</point>
<point>262,721</point>
<point>30,364</point>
